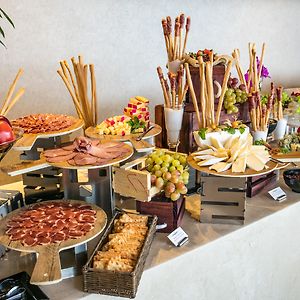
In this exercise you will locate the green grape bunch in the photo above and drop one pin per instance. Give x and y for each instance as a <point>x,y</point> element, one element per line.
<point>236,93</point>
<point>169,173</point>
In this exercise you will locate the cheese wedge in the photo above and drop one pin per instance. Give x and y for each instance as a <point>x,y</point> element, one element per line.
<point>239,166</point>
<point>229,142</point>
<point>255,163</point>
<point>203,157</point>
<point>220,166</point>
<point>212,161</point>
<point>201,152</point>
<point>216,143</point>
<point>142,99</point>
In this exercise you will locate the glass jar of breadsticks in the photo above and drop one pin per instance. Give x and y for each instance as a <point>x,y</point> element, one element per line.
<point>174,92</point>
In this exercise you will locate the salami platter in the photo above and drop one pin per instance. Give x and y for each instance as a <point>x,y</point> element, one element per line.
<point>44,126</point>
<point>47,228</point>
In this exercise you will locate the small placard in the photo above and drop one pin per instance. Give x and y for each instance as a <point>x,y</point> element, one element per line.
<point>278,194</point>
<point>178,237</point>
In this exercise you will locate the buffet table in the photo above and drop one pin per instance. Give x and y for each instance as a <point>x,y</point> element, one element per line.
<point>219,262</point>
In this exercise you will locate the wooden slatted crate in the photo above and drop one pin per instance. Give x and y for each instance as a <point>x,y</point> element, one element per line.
<point>223,199</point>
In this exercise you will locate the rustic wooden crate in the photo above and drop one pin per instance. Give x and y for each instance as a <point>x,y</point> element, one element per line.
<point>256,184</point>
<point>223,199</point>
<point>132,180</point>
<point>169,213</point>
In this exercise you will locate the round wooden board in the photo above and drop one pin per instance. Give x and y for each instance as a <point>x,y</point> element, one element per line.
<point>66,165</point>
<point>248,173</point>
<point>92,133</point>
<point>47,269</point>
<point>26,142</point>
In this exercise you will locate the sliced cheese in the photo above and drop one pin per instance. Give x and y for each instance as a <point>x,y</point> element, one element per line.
<point>216,143</point>
<point>255,163</point>
<point>239,166</point>
<point>202,152</point>
<point>212,161</point>
<point>229,142</point>
<point>220,166</point>
<point>203,157</point>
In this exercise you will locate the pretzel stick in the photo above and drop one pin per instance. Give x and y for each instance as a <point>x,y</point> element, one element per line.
<point>18,95</point>
<point>11,91</point>
<point>261,60</point>
<point>190,83</point>
<point>223,91</point>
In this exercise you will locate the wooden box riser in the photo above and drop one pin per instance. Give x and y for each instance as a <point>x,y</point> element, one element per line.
<point>170,213</point>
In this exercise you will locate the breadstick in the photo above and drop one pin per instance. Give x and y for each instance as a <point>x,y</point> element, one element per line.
<point>192,91</point>
<point>224,88</point>
<point>13,101</point>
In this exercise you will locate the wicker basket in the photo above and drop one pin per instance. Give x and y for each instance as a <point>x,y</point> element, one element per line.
<point>112,282</point>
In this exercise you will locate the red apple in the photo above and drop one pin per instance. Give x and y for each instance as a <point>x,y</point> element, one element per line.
<point>6,132</point>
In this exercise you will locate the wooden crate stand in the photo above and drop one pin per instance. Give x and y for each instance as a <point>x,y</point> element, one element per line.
<point>223,199</point>
<point>133,180</point>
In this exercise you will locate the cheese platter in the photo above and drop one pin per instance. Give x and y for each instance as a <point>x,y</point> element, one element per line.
<point>47,269</point>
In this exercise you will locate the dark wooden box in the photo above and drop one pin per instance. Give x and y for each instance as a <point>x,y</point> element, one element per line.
<point>257,183</point>
<point>168,212</point>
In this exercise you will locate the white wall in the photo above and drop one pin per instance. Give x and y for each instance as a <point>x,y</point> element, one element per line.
<point>124,40</point>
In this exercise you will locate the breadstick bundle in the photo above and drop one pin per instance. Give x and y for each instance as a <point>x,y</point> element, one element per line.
<point>77,84</point>
<point>175,42</point>
<point>10,100</point>
<point>260,112</point>
<point>175,90</point>
<point>209,116</point>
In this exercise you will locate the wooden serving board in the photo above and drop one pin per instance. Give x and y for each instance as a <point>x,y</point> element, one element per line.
<point>26,142</point>
<point>287,157</point>
<point>47,269</point>
<point>139,146</point>
<point>248,173</point>
<point>33,165</point>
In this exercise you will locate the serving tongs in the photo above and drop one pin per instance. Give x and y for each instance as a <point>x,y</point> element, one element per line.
<point>11,290</point>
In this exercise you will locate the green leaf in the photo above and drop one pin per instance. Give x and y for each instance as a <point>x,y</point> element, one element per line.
<point>242,130</point>
<point>284,150</point>
<point>2,32</point>
<point>230,130</point>
<point>259,142</point>
<point>7,17</point>
<point>202,133</point>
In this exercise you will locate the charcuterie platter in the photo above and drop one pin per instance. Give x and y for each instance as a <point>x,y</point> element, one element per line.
<point>66,229</point>
<point>28,139</point>
<point>56,157</point>
<point>139,145</point>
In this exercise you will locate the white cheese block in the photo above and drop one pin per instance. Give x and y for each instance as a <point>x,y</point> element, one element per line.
<point>206,151</point>
<point>203,157</point>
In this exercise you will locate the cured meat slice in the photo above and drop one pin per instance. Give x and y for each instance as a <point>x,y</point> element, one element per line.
<point>100,152</point>
<point>17,236</point>
<point>42,240</point>
<point>58,237</point>
<point>82,159</point>
<point>29,241</point>
<point>62,158</point>
<point>57,152</point>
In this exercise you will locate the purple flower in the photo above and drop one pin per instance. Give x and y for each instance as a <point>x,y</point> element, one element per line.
<point>264,71</point>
